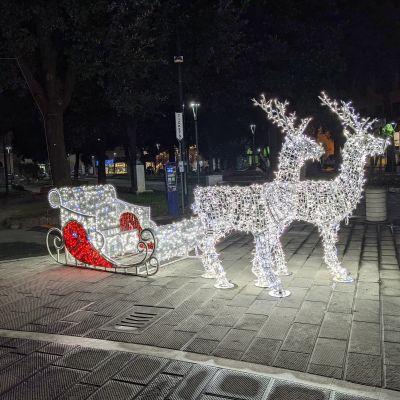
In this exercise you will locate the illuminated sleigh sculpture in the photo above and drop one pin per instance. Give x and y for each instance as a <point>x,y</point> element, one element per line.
<point>100,231</point>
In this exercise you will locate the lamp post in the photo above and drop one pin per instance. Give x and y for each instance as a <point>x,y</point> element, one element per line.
<point>195,107</point>
<point>253,131</point>
<point>9,149</point>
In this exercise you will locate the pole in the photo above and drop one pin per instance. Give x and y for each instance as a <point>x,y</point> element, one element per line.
<point>254,152</point>
<point>179,61</point>
<point>253,131</point>
<point>197,150</point>
<point>5,163</point>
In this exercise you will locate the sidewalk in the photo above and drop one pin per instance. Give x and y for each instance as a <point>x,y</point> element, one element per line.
<point>341,332</point>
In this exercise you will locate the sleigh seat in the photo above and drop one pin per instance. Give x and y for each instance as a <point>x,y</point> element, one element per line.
<point>98,230</point>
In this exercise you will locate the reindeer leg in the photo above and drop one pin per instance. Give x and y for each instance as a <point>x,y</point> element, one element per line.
<point>257,268</point>
<point>265,258</point>
<point>208,255</point>
<point>329,239</point>
<point>279,257</point>
<point>212,264</point>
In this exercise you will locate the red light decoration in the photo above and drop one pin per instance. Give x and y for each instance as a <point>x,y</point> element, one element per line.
<point>77,243</point>
<point>129,222</point>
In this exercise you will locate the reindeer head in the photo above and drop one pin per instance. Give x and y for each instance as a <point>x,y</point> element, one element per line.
<point>300,145</point>
<point>356,129</point>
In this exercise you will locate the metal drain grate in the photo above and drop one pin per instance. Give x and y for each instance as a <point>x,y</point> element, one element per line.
<point>136,320</point>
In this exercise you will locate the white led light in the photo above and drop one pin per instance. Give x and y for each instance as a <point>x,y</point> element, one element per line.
<point>264,210</point>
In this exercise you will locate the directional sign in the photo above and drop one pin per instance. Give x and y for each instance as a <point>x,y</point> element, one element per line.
<point>179,125</point>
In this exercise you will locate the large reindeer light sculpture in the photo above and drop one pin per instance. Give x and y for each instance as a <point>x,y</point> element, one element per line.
<point>326,203</point>
<point>264,210</point>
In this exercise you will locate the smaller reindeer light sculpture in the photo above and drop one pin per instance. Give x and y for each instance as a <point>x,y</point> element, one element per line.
<point>326,204</point>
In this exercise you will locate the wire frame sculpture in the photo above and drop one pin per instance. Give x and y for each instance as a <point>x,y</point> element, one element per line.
<point>327,203</point>
<point>264,210</point>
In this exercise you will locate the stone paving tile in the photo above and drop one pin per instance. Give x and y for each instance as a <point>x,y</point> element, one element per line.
<point>262,307</point>
<point>335,326</point>
<point>278,324</point>
<point>83,358</point>
<point>292,360</point>
<point>392,377</point>
<point>237,339</point>
<point>108,369</point>
<point>301,338</point>
<point>325,370</point>
<point>391,336</point>
<point>47,384</point>
<point>364,368</point>
<point>319,293</point>
<point>228,316</point>
<point>262,351</point>
<point>311,312</point>
<point>202,346</point>
<point>295,299</point>
<point>341,302</point>
<point>391,305</point>
<point>367,290</point>
<point>194,323</point>
<point>24,368</point>
<point>392,353</point>
<point>213,332</point>
<point>176,340</point>
<point>331,352</point>
<point>78,392</point>
<point>120,390</point>
<point>365,338</point>
<point>228,353</point>
<point>367,310</point>
<point>251,322</point>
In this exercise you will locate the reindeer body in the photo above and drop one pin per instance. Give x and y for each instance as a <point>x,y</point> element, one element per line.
<point>326,204</point>
<point>264,210</point>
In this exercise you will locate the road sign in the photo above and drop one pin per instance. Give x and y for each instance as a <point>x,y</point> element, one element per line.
<point>179,125</point>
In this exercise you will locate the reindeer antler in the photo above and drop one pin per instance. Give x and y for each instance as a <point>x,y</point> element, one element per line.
<point>347,114</point>
<point>276,112</point>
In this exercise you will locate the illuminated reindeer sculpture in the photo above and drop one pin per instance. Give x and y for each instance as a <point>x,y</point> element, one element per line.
<point>327,203</point>
<point>264,210</point>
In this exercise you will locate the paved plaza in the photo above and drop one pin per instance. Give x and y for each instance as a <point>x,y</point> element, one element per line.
<point>72,333</point>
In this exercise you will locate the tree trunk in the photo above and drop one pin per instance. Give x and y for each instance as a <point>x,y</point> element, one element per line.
<point>76,166</point>
<point>54,127</point>
<point>131,132</point>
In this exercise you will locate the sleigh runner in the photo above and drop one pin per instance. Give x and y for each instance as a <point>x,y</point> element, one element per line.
<point>100,231</point>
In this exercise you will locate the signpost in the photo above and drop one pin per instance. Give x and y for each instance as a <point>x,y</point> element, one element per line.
<point>179,136</point>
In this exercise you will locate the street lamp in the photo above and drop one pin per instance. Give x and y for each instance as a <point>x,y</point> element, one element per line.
<point>9,148</point>
<point>253,131</point>
<point>195,107</point>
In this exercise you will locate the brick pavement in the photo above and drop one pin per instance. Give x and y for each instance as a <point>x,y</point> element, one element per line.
<point>31,369</point>
<point>345,331</point>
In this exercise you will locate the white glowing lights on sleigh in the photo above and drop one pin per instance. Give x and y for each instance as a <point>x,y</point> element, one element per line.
<point>99,230</point>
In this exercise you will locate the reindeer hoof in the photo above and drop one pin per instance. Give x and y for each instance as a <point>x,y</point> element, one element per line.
<point>225,284</point>
<point>279,293</point>
<point>345,279</point>
<point>209,275</point>
<point>262,282</point>
<point>284,273</point>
